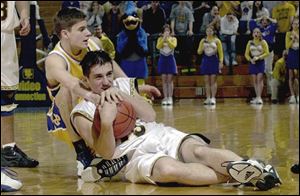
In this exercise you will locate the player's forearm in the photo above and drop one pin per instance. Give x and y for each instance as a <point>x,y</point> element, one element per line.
<point>143,109</point>
<point>105,144</point>
<point>23,9</point>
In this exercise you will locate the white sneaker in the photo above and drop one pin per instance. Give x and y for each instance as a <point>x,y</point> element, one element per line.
<point>207,101</point>
<point>164,101</point>
<point>170,101</point>
<point>292,100</point>
<point>254,100</point>
<point>213,101</point>
<point>9,181</point>
<point>259,100</point>
<point>244,171</point>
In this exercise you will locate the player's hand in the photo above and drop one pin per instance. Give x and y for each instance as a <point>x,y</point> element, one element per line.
<point>110,95</point>
<point>108,112</point>
<point>151,91</point>
<point>25,27</point>
<point>93,97</point>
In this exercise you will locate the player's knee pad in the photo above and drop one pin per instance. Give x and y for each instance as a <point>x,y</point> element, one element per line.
<point>8,102</point>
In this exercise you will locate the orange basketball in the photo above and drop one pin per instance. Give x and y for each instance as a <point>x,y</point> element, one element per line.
<point>124,122</point>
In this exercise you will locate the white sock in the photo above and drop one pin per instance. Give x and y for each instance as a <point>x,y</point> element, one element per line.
<point>9,144</point>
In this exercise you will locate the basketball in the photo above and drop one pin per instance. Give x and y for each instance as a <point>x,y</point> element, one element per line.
<point>124,122</point>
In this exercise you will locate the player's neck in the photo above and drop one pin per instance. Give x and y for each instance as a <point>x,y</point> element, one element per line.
<point>69,49</point>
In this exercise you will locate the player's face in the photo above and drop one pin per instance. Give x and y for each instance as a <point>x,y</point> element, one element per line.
<point>101,78</point>
<point>79,35</point>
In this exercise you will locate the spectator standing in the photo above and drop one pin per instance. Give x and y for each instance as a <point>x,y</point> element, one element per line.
<point>70,4</point>
<point>284,13</point>
<point>212,63</point>
<point>95,15</point>
<point>85,6</point>
<point>200,9</point>
<point>182,26</point>
<point>166,44</point>
<point>211,18</point>
<point>258,10</point>
<point>106,43</point>
<point>256,51</point>
<point>154,13</point>
<point>292,45</point>
<point>112,21</point>
<point>228,31</point>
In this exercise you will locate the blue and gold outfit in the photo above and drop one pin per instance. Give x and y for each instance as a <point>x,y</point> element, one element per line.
<point>55,123</point>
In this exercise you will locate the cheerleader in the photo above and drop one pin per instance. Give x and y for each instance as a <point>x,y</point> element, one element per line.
<point>212,63</point>
<point>256,51</point>
<point>292,45</point>
<point>166,64</point>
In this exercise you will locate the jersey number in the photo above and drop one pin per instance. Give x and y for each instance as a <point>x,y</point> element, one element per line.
<point>3,10</point>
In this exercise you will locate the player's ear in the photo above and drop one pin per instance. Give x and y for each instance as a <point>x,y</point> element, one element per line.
<point>64,34</point>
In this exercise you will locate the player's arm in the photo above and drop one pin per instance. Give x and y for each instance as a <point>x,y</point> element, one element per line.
<point>56,70</point>
<point>144,109</point>
<point>104,143</point>
<point>23,10</point>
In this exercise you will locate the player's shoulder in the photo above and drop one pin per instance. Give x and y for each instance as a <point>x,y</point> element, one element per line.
<point>84,108</point>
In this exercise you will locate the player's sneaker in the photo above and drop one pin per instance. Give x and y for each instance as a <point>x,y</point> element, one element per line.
<point>270,169</point>
<point>244,171</point>
<point>104,168</point>
<point>9,181</point>
<point>292,100</point>
<point>15,157</point>
<point>295,168</point>
<point>164,101</point>
<point>213,101</point>
<point>207,101</point>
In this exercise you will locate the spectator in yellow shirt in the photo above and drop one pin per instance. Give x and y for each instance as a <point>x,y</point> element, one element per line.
<point>278,78</point>
<point>106,43</point>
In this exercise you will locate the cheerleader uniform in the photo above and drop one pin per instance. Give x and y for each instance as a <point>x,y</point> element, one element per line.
<point>213,55</point>
<point>166,63</point>
<point>293,52</point>
<point>260,49</point>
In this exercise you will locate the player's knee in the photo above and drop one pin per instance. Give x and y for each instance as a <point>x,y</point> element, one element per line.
<point>199,152</point>
<point>165,172</point>
<point>8,105</point>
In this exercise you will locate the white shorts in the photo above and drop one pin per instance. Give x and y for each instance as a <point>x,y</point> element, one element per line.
<point>159,142</point>
<point>9,62</point>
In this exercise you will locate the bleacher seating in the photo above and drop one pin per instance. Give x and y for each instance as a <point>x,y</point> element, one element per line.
<point>185,86</point>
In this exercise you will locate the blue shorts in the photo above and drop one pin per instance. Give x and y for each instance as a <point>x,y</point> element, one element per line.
<point>56,125</point>
<point>166,65</point>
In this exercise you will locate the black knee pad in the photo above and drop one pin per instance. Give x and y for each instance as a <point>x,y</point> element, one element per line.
<point>8,102</point>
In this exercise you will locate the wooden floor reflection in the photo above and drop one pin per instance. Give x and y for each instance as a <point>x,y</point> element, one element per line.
<point>269,133</point>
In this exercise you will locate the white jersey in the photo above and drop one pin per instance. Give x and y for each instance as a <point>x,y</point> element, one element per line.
<point>9,16</point>
<point>9,56</point>
<point>144,150</point>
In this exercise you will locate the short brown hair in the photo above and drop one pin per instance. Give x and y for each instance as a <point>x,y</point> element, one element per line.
<point>66,18</point>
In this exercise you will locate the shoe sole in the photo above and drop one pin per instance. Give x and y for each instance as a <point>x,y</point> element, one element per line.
<point>243,172</point>
<point>90,174</point>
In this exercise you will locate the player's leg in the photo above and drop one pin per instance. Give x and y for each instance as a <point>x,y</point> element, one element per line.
<point>11,155</point>
<point>167,170</point>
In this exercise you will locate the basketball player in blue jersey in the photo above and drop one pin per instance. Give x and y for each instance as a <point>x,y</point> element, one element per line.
<point>64,78</point>
<point>11,155</point>
<point>159,154</point>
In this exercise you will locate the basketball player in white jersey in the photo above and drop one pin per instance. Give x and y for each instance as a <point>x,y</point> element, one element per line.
<point>11,155</point>
<point>159,154</point>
